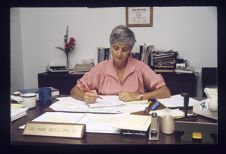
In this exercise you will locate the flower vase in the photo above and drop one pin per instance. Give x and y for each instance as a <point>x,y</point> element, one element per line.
<point>67,62</point>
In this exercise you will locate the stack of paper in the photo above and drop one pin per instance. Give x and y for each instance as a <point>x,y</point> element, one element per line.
<point>176,101</point>
<point>109,104</point>
<point>134,122</point>
<point>176,113</point>
<point>17,111</point>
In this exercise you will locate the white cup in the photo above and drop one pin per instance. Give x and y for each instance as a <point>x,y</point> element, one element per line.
<point>167,123</point>
<point>29,100</point>
<point>212,104</point>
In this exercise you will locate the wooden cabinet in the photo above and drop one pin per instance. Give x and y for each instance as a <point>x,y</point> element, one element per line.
<point>64,82</point>
<point>181,82</point>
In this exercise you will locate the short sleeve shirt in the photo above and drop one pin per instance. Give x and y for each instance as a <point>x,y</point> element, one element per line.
<point>137,77</point>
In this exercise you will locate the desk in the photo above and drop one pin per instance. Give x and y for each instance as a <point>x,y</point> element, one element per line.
<point>90,138</point>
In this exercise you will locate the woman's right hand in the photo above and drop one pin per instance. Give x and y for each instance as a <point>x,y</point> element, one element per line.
<point>90,97</point>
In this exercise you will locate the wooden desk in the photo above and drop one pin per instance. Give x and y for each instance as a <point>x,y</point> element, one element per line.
<point>90,138</point>
<point>177,82</point>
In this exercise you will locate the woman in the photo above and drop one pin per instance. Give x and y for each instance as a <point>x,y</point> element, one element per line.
<point>122,75</point>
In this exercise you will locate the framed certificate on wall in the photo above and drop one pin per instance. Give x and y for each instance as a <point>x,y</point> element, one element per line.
<point>139,16</point>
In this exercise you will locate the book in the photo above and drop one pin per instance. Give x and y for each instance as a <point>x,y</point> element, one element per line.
<point>17,111</point>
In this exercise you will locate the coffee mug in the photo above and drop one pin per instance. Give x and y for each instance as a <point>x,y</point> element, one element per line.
<point>29,100</point>
<point>167,123</point>
<point>44,95</point>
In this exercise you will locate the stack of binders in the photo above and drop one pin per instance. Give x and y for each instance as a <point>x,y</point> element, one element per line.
<point>164,60</point>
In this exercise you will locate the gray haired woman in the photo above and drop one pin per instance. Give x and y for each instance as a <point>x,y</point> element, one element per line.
<point>122,75</point>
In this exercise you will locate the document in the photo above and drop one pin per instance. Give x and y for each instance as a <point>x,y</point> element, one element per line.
<point>176,101</point>
<point>176,113</point>
<point>109,104</point>
<point>95,123</point>
<point>134,122</point>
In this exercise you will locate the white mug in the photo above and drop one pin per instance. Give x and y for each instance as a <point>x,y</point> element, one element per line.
<point>212,104</point>
<point>29,100</point>
<point>167,123</point>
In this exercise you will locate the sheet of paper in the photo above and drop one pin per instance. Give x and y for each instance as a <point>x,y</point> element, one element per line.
<point>107,101</point>
<point>176,101</point>
<point>62,117</point>
<point>176,113</point>
<point>98,123</point>
<point>72,105</point>
<point>134,122</point>
<point>101,123</point>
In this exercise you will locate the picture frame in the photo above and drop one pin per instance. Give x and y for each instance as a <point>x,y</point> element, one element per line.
<point>139,16</point>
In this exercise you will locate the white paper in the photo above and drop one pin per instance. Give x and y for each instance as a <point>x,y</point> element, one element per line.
<point>115,106</point>
<point>134,122</point>
<point>107,101</point>
<point>61,117</point>
<point>18,113</point>
<point>98,123</point>
<point>176,113</point>
<point>176,101</point>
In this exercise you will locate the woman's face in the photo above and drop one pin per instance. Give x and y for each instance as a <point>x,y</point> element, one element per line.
<point>120,53</point>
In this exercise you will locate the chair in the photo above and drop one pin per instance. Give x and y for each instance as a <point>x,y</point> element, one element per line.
<point>209,78</point>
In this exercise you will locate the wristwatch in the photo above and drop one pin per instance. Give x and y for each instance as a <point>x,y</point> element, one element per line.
<point>141,96</point>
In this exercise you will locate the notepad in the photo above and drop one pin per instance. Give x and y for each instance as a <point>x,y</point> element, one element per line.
<point>134,122</point>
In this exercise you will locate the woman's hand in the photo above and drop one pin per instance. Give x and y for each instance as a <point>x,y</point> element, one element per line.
<point>129,96</point>
<point>90,97</point>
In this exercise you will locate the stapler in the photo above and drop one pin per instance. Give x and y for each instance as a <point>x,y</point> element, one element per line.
<point>154,128</point>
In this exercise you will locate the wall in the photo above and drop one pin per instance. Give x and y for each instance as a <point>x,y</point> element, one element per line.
<point>192,31</point>
<point>16,60</point>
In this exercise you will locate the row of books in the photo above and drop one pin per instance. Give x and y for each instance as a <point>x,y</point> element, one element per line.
<point>103,54</point>
<point>161,60</point>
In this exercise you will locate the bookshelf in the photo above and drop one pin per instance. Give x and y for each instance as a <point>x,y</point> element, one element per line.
<point>64,82</point>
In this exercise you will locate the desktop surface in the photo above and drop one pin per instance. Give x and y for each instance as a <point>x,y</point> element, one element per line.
<point>17,136</point>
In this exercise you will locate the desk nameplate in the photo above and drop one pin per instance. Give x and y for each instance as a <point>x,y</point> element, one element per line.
<point>54,129</point>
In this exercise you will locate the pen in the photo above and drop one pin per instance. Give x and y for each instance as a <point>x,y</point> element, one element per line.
<point>88,90</point>
<point>148,106</point>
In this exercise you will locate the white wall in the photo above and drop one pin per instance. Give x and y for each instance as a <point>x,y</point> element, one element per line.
<point>192,31</point>
<point>16,60</point>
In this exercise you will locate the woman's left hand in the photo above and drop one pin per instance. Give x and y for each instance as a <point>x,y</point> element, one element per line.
<point>129,96</point>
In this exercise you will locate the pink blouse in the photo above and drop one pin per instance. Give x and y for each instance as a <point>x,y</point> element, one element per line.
<point>138,77</point>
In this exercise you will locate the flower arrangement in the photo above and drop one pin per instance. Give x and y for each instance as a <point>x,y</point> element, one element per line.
<point>68,46</point>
